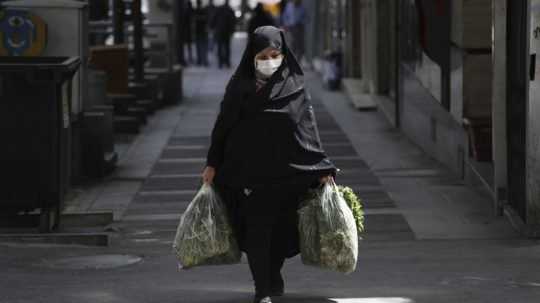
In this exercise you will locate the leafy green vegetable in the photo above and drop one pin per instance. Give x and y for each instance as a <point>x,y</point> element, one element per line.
<point>353,201</point>
<point>204,235</point>
<point>328,232</point>
<point>355,204</point>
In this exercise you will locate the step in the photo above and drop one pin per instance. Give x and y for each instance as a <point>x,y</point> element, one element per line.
<point>88,239</point>
<point>68,221</point>
<point>146,90</point>
<point>148,104</point>
<point>133,111</point>
<point>139,112</point>
<point>122,99</point>
<point>126,124</point>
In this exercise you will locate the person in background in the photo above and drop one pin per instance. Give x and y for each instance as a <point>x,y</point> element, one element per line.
<point>187,33</point>
<point>201,33</point>
<point>211,26</point>
<point>225,25</point>
<point>260,18</point>
<point>294,19</point>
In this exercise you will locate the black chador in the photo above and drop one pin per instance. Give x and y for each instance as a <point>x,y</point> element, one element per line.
<point>267,153</point>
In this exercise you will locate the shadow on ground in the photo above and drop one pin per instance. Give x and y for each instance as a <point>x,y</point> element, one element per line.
<point>302,299</point>
<point>286,299</point>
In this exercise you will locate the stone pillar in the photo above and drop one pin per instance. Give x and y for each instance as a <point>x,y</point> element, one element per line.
<point>353,43</point>
<point>369,46</point>
<point>500,154</point>
<point>533,123</point>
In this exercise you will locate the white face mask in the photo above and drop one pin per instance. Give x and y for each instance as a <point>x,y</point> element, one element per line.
<point>268,67</point>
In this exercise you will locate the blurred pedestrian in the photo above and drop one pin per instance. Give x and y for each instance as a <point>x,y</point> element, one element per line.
<point>211,25</point>
<point>201,33</point>
<point>187,34</point>
<point>260,18</point>
<point>294,20</point>
<point>225,26</point>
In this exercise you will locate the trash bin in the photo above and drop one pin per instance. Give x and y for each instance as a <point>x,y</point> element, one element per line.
<point>35,100</point>
<point>67,26</point>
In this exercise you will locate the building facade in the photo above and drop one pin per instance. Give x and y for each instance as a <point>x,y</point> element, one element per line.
<point>459,78</point>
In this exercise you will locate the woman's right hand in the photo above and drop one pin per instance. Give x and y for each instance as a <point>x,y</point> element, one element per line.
<point>208,175</point>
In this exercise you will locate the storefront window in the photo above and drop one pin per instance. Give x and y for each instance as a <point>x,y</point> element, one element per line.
<point>425,43</point>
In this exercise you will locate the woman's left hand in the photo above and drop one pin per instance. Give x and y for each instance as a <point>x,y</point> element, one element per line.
<point>325,179</point>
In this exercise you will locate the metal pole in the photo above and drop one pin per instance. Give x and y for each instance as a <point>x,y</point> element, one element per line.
<point>138,40</point>
<point>119,14</point>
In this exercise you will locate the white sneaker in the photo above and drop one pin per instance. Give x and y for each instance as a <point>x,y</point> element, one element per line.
<point>266,300</point>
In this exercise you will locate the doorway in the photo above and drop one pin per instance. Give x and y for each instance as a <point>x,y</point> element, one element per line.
<point>516,106</point>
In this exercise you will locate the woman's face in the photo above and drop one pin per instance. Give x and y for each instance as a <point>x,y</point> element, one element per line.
<point>268,61</point>
<point>268,53</point>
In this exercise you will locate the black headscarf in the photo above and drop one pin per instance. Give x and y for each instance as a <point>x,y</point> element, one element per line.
<point>287,94</point>
<point>300,149</point>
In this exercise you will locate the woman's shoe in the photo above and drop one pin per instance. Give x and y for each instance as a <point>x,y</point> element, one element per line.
<point>262,300</point>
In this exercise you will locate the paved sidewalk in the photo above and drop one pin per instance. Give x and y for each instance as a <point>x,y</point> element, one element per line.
<point>430,238</point>
<point>436,204</point>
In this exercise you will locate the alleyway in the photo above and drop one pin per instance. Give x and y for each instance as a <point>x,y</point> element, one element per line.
<point>429,237</point>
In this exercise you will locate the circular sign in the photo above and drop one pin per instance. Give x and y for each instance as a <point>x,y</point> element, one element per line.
<point>22,33</point>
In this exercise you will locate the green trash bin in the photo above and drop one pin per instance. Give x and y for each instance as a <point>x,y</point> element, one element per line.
<point>35,126</point>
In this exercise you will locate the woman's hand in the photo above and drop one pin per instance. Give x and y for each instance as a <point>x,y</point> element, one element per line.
<point>208,175</point>
<point>325,179</point>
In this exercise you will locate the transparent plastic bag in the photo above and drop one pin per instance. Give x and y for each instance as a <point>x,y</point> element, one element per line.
<point>310,250</point>
<point>328,233</point>
<point>204,235</point>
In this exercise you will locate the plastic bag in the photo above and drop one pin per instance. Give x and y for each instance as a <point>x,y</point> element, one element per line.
<point>328,233</point>
<point>204,235</point>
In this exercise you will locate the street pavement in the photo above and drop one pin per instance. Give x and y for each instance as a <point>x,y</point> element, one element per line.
<point>430,238</point>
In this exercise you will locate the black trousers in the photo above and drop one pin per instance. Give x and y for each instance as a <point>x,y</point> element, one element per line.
<point>265,261</point>
<point>265,221</point>
<point>224,51</point>
<point>270,233</point>
<point>202,50</point>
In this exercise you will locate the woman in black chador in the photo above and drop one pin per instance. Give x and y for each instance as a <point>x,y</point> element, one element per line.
<point>265,154</point>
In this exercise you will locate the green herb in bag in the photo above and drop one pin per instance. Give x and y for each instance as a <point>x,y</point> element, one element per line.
<point>355,204</point>
<point>204,235</point>
<point>328,232</point>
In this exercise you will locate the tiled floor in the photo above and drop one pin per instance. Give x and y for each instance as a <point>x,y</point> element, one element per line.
<point>176,176</point>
